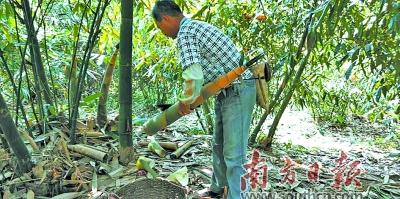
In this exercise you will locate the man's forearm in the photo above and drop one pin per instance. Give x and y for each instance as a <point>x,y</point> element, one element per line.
<point>193,81</point>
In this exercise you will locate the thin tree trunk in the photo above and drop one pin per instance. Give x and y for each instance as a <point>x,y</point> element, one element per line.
<point>37,89</point>
<point>92,38</point>
<point>35,53</point>
<point>36,80</point>
<point>125,81</point>
<point>54,88</point>
<point>22,69</point>
<point>102,106</point>
<point>72,116</point>
<point>31,100</point>
<point>73,83</point>
<point>267,142</point>
<point>13,138</point>
<point>19,104</point>
<point>277,95</point>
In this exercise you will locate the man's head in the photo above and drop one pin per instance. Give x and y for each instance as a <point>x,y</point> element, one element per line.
<point>168,16</point>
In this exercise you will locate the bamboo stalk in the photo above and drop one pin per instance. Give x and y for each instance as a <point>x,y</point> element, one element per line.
<point>36,55</point>
<point>65,148</point>
<point>13,138</point>
<point>95,148</point>
<point>125,81</point>
<point>165,145</point>
<point>92,134</point>
<point>207,115</point>
<point>155,147</point>
<point>277,95</point>
<point>31,141</point>
<point>4,141</point>
<point>267,142</point>
<point>162,120</point>
<point>178,153</point>
<point>310,45</point>
<point>90,152</point>
<point>92,38</point>
<point>105,87</point>
<point>23,66</point>
<point>19,104</point>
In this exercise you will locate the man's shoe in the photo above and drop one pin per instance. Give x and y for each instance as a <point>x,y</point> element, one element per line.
<point>209,194</point>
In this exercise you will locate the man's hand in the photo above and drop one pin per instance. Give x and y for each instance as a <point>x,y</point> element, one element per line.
<point>184,109</point>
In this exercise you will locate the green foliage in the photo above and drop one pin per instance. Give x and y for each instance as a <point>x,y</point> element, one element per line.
<point>354,69</point>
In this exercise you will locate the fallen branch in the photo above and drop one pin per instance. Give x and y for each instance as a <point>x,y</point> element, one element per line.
<point>182,149</point>
<point>90,152</point>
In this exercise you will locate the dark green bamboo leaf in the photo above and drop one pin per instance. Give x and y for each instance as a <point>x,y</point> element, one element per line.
<point>394,24</point>
<point>385,90</point>
<point>378,94</point>
<point>330,20</point>
<point>91,98</point>
<point>368,49</point>
<point>200,12</point>
<point>349,71</point>
<point>353,53</point>
<point>150,28</point>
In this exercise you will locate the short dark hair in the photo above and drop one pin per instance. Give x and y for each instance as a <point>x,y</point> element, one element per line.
<point>165,7</point>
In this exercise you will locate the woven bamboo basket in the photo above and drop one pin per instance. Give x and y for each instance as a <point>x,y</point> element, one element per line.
<point>152,189</point>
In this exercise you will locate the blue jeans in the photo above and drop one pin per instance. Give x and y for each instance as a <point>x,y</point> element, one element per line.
<point>233,110</point>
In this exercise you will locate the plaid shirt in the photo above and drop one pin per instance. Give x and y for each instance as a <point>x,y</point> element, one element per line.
<point>201,43</point>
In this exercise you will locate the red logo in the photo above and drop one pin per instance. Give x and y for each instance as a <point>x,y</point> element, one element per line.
<point>253,172</point>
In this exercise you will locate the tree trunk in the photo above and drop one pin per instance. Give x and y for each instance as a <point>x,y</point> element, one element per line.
<point>3,140</point>
<point>13,138</point>
<point>268,141</point>
<point>102,106</point>
<point>277,95</point>
<point>84,65</point>
<point>73,83</point>
<point>16,91</point>
<point>125,81</point>
<point>35,54</point>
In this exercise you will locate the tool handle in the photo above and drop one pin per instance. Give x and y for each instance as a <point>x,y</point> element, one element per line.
<point>254,60</point>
